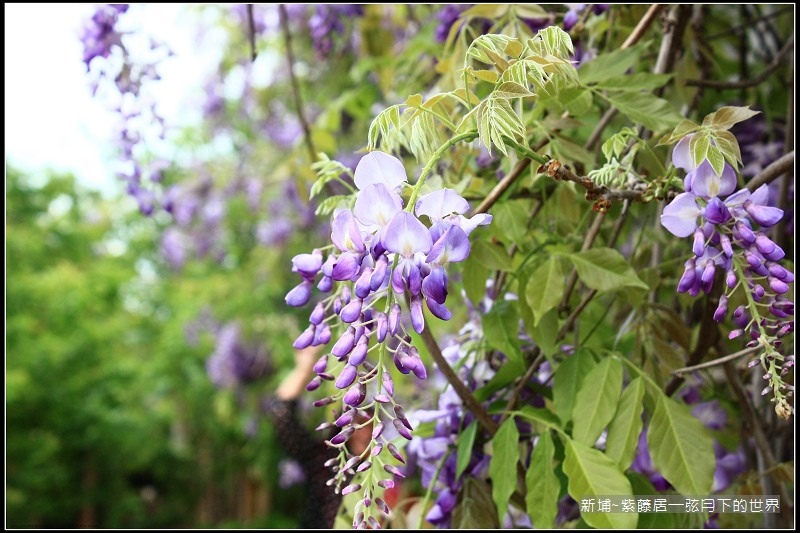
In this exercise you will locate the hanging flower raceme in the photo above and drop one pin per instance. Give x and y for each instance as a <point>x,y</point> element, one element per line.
<point>384,264</point>
<point>727,229</point>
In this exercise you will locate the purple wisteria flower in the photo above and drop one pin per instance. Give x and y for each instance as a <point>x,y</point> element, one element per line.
<point>727,230</point>
<point>384,264</point>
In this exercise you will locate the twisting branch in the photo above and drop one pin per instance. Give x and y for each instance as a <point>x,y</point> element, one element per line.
<point>773,171</point>
<point>745,84</point>
<point>463,392</point>
<point>601,195</point>
<point>298,100</point>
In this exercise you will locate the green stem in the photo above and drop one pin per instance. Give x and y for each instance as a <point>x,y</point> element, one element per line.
<point>525,151</point>
<point>429,492</point>
<point>468,136</point>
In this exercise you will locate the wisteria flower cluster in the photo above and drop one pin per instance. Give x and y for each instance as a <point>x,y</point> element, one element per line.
<point>382,255</point>
<point>728,232</point>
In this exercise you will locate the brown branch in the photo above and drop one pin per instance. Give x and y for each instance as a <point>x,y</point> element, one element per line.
<point>298,101</point>
<point>779,233</point>
<point>774,170</point>
<point>501,187</point>
<point>463,392</point>
<point>251,23</point>
<point>745,84</point>
<point>601,195</point>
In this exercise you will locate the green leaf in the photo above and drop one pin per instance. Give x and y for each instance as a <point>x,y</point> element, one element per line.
<point>605,269</point>
<point>543,485</point>
<point>503,464</point>
<point>591,474</point>
<point>475,509</point>
<point>681,448</point>
<point>683,128</point>
<point>465,443</point>
<point>492,256</point>
<point>508,373</point>
<point>512,219</point>
<point>538,414</point>
<point>576,100</point>
<point>546,334</point>
<point>725,117</point>
<point>330,203</point>
<point>415,100</point>
<point>474,275</point>
<point>511,89</point>
<point>501,329</point>
<point>729,146</point>
<point>544,288</point>
<point>609,66</point>
<point>640,81</point>
<point>596,402</point>
<point>567,382</point>
<point>652,112</point>
<point>624,430</point>
<point>698,148</point>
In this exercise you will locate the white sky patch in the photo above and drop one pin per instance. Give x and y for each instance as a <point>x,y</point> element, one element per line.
<point>52,120</point>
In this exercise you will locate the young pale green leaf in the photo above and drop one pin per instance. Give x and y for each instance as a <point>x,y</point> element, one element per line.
<point>490,76</point>
<point>476,509</point>
<point>725,117</point>
<point>531,11</point>
<point>576,100</point>
<point>501,330</point>
<point>716,159</point>
<point>511,89</point>
<point>382,126</point>
<point>609,66</point>
<point>415,100</point>
<point>487,49</point>
<point>617,143</point>
<point>605,269</point>
<point>698,147</point>
<point>503,464</point>
<point>553,41</point>
<point>624,430</point>
<point>465,443</point>
<point>543,485</point>
<point>640,81</point>
<point>544,288</point>
<point>596,402</point>
<point>681,448</point>
<point>591,474</point>
<point>492,256</point>
<point>684,128</point>
<point>652,112</point>
<point>569,377</point>
<point>729,146</point>
<point>330,203</point>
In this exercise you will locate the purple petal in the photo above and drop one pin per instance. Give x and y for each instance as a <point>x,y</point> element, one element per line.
<point>417,318</point>
<point>305,339</point>
<point>394,319</point>
<point>307,264</point>
<point>764,215</point>
<point>347,266</point>
<point>355,396</point>
<point>769,249</point>
<point>707,183</point>
<point>717,212</point>
<point>441,203</point>
<point>345,233</point>
<point>300,295</point>
<point>760,196</point>
<point>379,273</point>
<point>351,311</point>
<point>346,377</point>
<point>439,310</point>
<point>681,157</point>
<point>469,224</point>
<point>362,285</point>
<point>406,235</point>
<point>699,245</point>
<point>376,205</point>
<point>345,343</point>
<point>379,167</point>
<point>680,216</point>
<point>452,247</point>
<point>434,286</point>
<point>689,276</point>
<point>359,353</point>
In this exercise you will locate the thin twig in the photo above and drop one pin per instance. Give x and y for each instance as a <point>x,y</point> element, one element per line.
<point>773,171</point>
<point>298,100</point>
<point>252,31</point>
<point>632,39</point>
<point>501,187</point>
<point>745,84</point>
<point>463,392</point>
<point>600,194</point>
<point>715,362</point>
